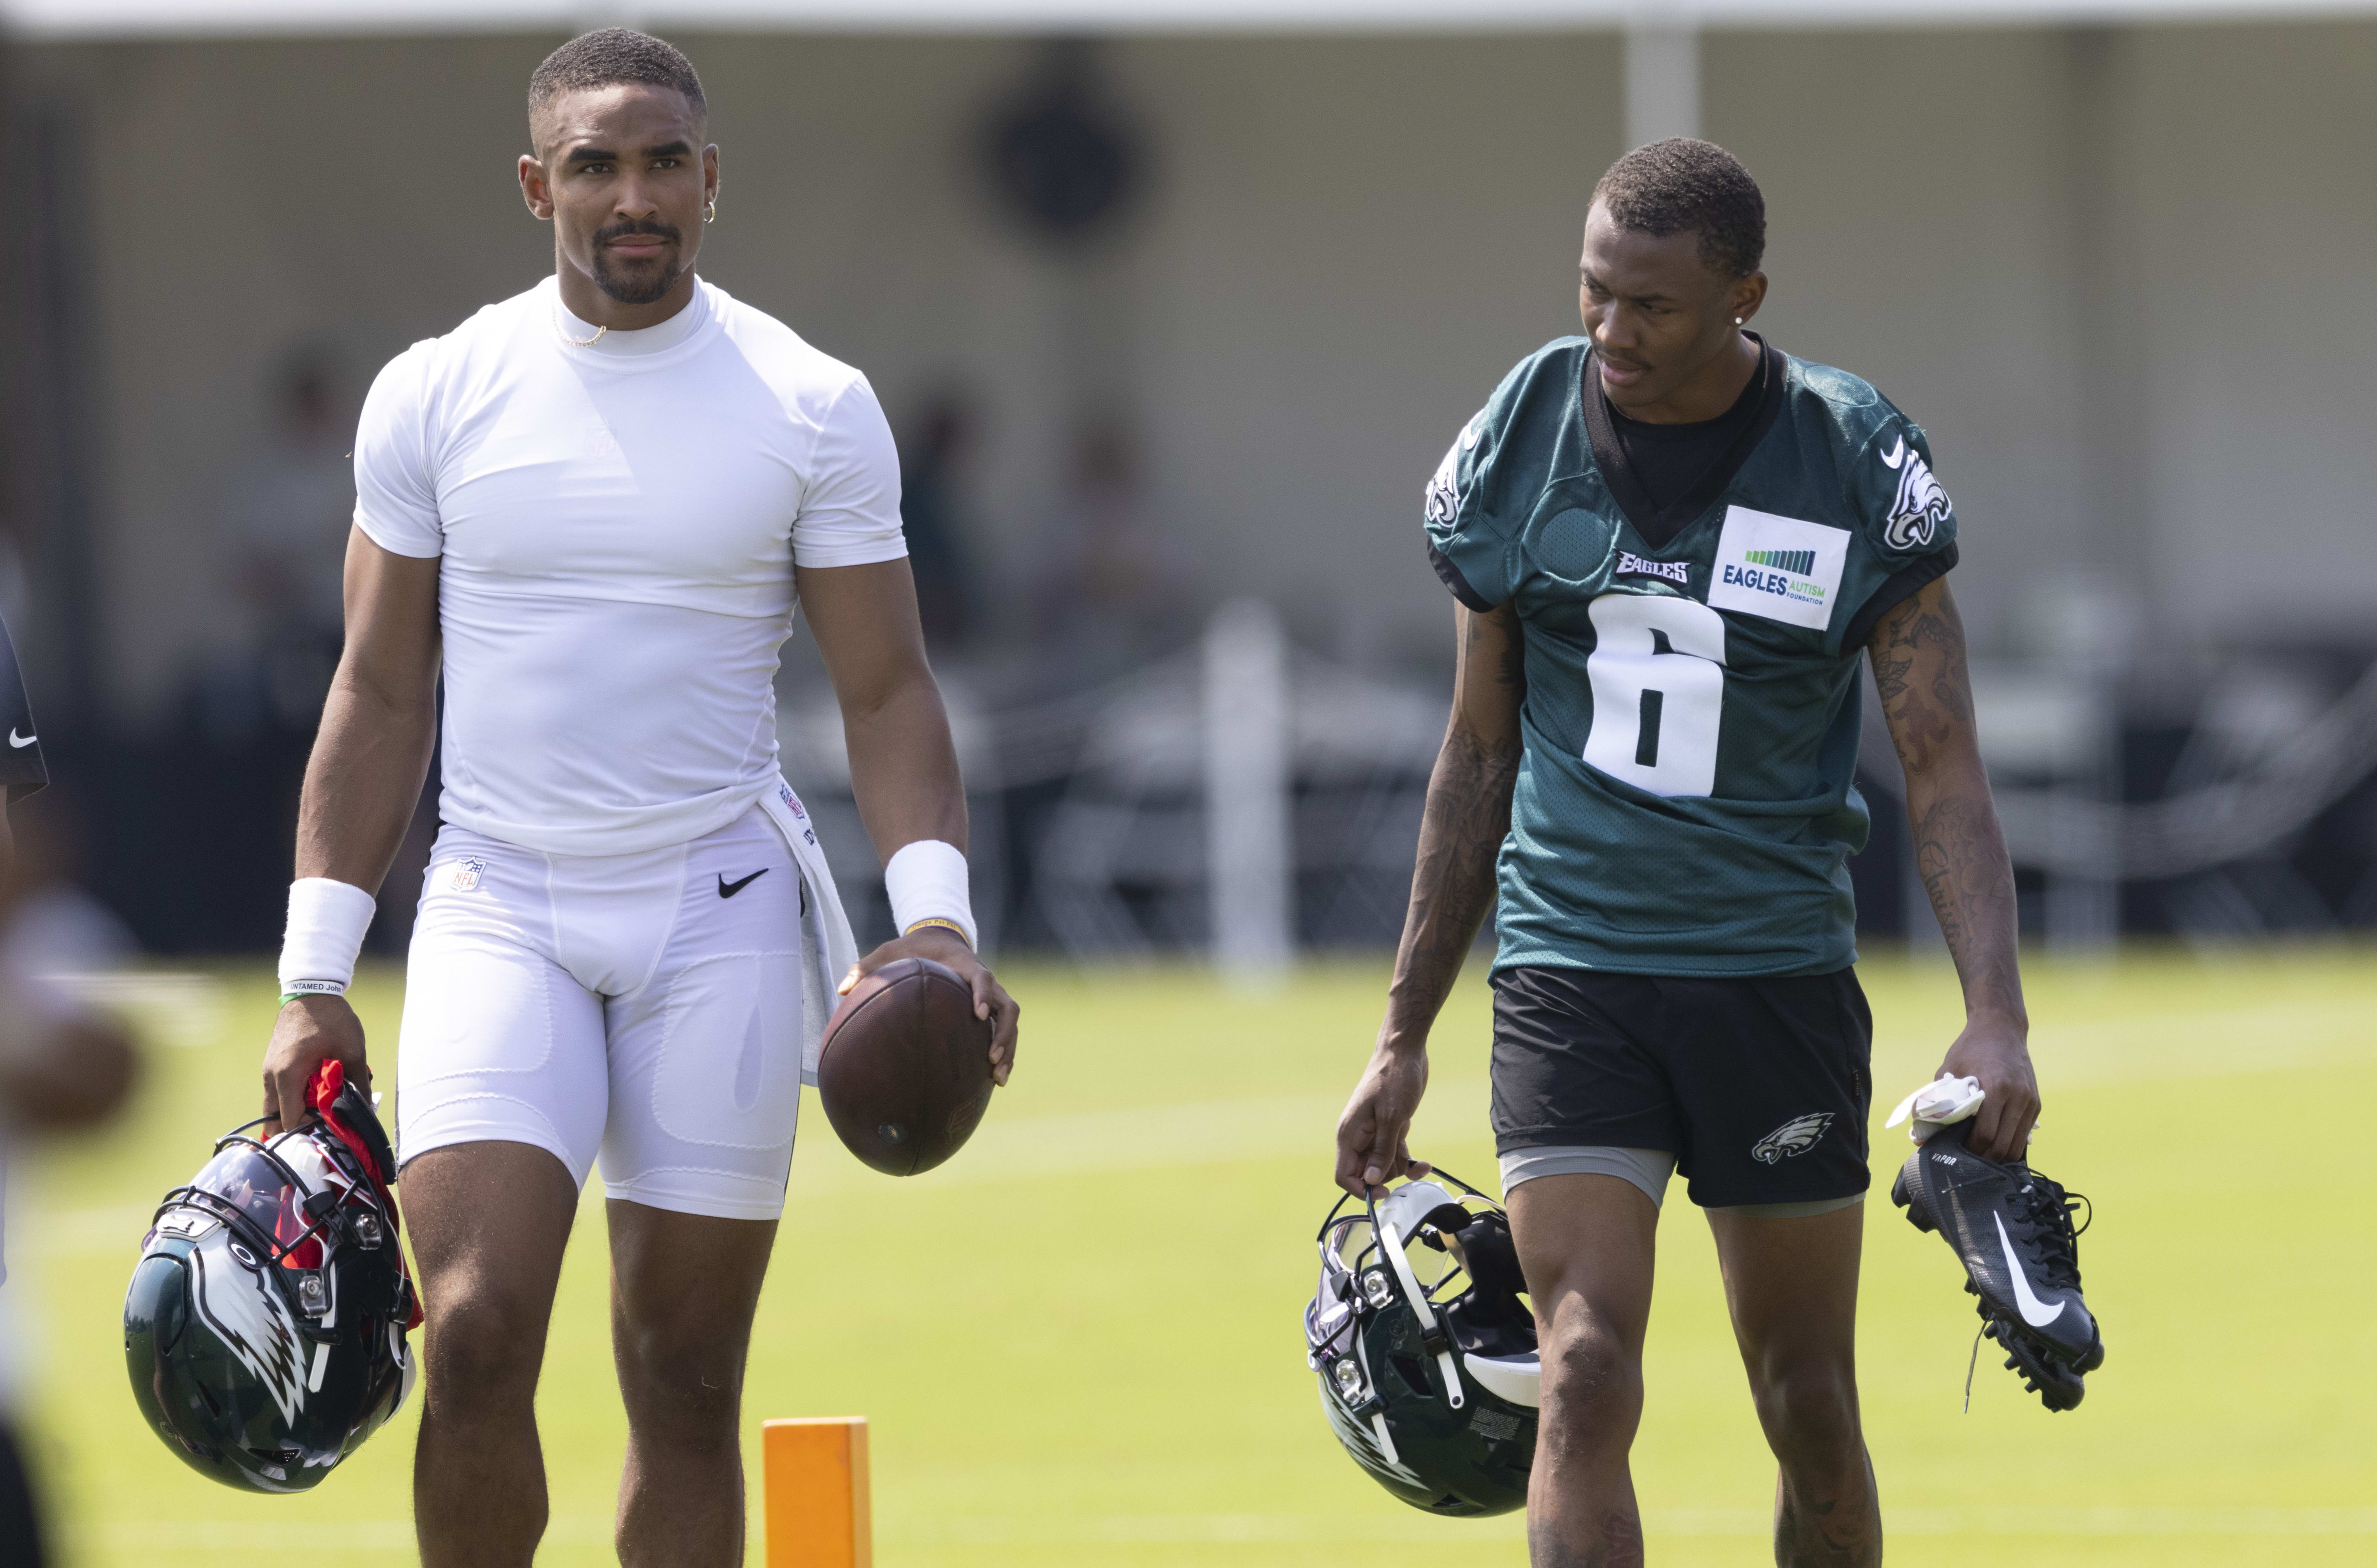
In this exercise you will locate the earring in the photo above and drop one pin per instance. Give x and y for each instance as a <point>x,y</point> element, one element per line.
<point>1737,320</point>
<point>710,213</point>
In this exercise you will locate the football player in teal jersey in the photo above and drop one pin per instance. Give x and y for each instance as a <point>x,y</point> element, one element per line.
<point>1672,544</point>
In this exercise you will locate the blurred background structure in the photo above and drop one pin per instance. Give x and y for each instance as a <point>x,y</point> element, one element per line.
<point>1174,303</point>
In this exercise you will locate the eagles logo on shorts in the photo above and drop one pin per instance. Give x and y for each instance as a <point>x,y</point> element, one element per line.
<point>1794,1137</point>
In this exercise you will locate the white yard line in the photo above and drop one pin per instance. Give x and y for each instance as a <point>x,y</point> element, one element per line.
<point>1119,1529</point>
<point>1744,1523</point>
<point>181,1009</point>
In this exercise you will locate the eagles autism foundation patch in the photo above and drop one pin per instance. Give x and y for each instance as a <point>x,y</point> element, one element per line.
<point>1782,568</point>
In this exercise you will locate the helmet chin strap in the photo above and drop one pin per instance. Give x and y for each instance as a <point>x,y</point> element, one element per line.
<point>1387,1439</point>
<point>1432,1334</point>
<point>322,1096</point>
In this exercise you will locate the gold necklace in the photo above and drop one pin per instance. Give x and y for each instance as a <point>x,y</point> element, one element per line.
<point>575,342</point>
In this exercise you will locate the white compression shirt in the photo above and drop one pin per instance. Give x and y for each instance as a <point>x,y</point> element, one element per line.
<point>617,525</point>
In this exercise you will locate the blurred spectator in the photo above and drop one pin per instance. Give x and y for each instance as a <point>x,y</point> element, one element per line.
<point>24,769</point>
<point>58,928</point>
<point>15,586</point>
<point>61,1067</point>
<point>933,510</point>
<point>1111,589</point>
<point>245,720</point>
<point>286,517</point>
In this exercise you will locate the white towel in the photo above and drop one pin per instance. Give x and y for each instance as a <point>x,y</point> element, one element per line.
<point>1939,1103</point>
<point>828,948</point>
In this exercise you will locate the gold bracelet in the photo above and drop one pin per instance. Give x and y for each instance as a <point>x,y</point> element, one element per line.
<point>945,924</point>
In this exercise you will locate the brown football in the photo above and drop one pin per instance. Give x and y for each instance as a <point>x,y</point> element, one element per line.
<point>904,1072</point>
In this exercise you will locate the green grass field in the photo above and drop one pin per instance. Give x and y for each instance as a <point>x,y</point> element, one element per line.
<point>1077,1344</point>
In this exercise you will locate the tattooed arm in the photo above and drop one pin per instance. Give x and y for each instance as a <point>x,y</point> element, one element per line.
<point>1918,665</point>
<point>1460,831</point>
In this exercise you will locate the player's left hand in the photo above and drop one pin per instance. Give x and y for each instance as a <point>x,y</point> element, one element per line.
<point>1996,1053</point>
<point>949,950</point>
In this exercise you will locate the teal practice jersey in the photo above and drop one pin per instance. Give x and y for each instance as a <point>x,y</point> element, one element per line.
<point>1687,804</point>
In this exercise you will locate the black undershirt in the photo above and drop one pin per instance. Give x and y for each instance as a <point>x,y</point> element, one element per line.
<point>1669,459</point>
<point>1666,475</point>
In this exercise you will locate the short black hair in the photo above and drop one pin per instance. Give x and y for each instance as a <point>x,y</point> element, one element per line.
<point>610,57</point>
<point>1679,185</point>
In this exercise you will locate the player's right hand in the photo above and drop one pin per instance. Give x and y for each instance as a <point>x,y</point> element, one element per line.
<point>310,1030</point>
<point>1371,1133</point>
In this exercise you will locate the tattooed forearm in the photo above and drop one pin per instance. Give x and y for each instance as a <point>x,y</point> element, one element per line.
<point>1890,675</point>
<point>1463,823</point>
<point>1929,705</point>
<point>1460,831</point>
<point>1512,665</point>
<point>1960,853</point>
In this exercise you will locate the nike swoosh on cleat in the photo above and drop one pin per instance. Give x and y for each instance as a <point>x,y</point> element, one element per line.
<point>20,741</point>
<point>2035,1312</point>
<point>728,890</point>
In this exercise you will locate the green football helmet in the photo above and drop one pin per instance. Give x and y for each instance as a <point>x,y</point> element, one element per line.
<point>1426,1354</point>
<point>265,1324</point>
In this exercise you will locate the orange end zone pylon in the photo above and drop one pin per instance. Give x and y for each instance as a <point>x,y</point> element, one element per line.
<point>817,1493</point>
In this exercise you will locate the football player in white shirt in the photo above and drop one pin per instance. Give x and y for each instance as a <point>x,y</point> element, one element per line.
<point>593,507</point>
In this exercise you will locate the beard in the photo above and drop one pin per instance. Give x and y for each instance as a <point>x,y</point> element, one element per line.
<point>639,283</point>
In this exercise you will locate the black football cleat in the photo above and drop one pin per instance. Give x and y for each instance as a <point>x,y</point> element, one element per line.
<point>2012,1229</point>
<point>2057,1386</point>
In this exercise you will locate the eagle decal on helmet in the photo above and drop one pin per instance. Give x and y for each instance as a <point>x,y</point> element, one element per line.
<point>264,1326</point>
<point>1920,505</point>
<point>1794,1137</point>
<point>254,1323</point>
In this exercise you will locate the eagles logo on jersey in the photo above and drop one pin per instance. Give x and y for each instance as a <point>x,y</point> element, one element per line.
<point>1444,490</point>
<point>1794,1137</point>
<point>1922,504</point>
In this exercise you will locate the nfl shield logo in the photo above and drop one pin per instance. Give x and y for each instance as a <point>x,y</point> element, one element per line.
<point>467,874</point>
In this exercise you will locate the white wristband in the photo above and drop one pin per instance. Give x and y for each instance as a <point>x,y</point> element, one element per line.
<point>326,922</point>
<point>927,881</point>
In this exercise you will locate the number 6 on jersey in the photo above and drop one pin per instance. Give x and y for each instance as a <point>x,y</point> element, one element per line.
<point>1657,668</point>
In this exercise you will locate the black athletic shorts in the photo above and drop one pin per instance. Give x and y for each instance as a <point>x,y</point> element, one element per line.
<point>1759,1086</point>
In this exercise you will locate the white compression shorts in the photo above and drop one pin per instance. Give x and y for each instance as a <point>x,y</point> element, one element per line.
<point>1648,1169</point>
<point>645,1007</point>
